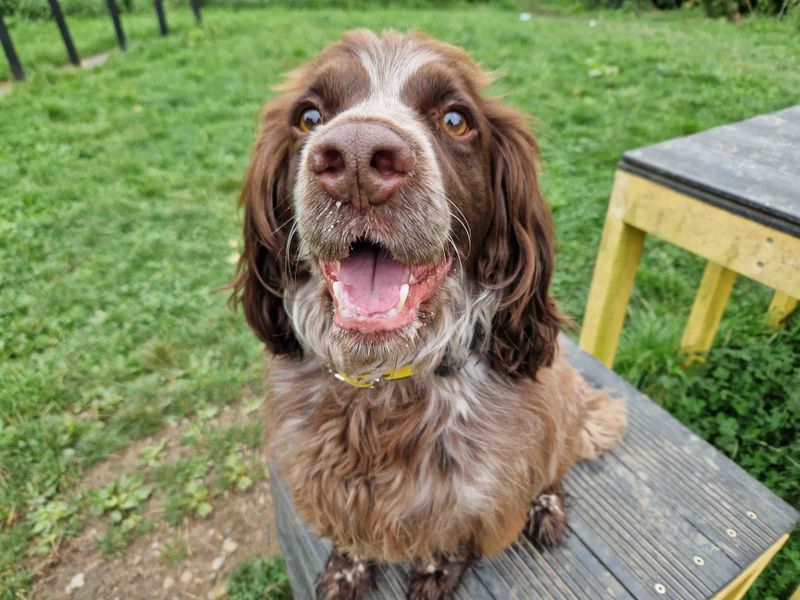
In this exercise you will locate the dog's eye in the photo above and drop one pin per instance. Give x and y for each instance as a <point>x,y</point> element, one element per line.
<point>455,123</point>
<point>310,118</point>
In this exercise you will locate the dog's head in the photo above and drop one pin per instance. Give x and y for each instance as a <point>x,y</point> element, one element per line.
<point>392,210</point>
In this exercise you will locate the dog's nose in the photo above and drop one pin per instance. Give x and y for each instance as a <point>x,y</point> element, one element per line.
<point>362,163</point>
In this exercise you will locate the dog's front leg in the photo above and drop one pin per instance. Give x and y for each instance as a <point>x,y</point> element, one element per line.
<point>345,577</point>
<point>547,518</point>
<point>438,579</point>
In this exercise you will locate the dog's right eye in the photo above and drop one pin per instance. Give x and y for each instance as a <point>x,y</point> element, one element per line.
<point>309,119</point>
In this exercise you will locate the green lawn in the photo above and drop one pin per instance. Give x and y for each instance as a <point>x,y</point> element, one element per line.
<point>118,224</point>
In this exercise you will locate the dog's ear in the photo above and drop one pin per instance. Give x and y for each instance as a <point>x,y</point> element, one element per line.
<point>518,259</point>
<point>262,275</point>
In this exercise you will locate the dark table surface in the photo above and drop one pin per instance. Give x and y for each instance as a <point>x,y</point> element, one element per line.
<point>751,168</point>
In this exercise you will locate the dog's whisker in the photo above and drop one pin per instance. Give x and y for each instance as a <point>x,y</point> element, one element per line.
<point>458,216</point>
<point>291,269</point>
<point>282,225</point>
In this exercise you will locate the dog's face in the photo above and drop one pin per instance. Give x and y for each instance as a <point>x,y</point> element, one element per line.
<point>386,191</point>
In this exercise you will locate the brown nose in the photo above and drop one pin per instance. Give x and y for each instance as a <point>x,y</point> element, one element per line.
<point>362,163</point>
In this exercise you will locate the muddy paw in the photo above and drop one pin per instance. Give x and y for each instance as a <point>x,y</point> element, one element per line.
<point>437,580</point>
<point>547,519</point>
<point>345,578</point>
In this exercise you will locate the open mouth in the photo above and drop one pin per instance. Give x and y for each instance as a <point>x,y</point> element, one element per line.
<point>372,292</point>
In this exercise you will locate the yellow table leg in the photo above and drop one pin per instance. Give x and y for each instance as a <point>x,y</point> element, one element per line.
<point>796,595</point>
<point>737,588</point>
<point>612,282</point>
<point>709,304</point>
<point>780,308</point>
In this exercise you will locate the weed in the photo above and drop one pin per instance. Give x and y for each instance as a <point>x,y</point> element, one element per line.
<point>119,499</point>
<point>49,521</point>
<point>175,550</point>
<point>148,456</point>
<point>117,538</point>
<point>183,484</point>
<point>237,472</point>
<point>259,578</point>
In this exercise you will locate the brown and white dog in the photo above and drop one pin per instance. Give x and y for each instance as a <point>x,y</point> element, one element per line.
<point>397,260</point>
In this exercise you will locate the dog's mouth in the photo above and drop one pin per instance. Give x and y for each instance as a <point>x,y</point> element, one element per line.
<point>373,292</point>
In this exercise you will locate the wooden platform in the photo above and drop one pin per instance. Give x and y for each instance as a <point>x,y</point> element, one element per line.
<point>731,195</point>
<point>662,516</point>
<point>748,168</point>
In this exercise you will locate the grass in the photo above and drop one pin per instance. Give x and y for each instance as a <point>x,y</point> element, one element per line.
<point>259,578</point>
<point>118,224</point>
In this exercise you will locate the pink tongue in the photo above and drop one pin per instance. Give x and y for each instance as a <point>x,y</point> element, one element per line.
<point>372,279</point>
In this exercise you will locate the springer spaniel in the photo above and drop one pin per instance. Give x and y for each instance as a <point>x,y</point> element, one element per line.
<point>397,258</point>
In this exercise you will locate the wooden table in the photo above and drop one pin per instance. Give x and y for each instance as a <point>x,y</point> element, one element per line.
<point>731,195</point>
<point>663,515</point>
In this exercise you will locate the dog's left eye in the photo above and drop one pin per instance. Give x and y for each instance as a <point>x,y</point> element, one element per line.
<point>455,123</point>
<point>310,118</point>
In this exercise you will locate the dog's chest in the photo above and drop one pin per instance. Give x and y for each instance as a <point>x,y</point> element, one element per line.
<point>368,468</point>
<point>379,437</point>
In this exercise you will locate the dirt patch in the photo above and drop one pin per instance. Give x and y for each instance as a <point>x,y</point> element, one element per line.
<point>126,459</point>
<point>189,561</point>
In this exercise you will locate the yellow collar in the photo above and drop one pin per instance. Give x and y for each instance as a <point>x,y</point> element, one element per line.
<point>362,381</point>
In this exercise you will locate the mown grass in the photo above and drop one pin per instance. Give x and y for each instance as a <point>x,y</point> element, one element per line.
<point>118,223</point>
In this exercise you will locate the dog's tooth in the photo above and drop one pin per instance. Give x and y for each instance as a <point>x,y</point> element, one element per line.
<point>403,295</point>
<point>337,290</point>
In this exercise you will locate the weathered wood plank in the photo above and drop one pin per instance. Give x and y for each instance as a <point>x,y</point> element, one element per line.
<point>709,304</point>
<point>612,283</point>
<point>740,244</point>
<point>652,538</point>
<point>749,165</point>
<point>300,569</point>
<point>661,435</point>
<point>640,518</point>
<point>716,505</point>
<point>757,184</point>
<point>780,308</point>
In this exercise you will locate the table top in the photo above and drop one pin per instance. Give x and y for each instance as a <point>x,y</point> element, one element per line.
<point>751,168</point>
<point>663,515</point>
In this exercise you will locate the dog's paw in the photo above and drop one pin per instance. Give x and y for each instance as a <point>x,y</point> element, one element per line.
<point>345,578</point>
<point>547,519</point>
<point>437,580</point>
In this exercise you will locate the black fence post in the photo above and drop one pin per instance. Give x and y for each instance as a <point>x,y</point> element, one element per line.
<point>162,18</point>
<point>196,10</point>
<point>114,10</point>
<point>62,27</point>
<point>11,54</point>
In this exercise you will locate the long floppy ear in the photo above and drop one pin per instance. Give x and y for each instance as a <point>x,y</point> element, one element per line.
<point>518,258</point>
<point>262,273</point>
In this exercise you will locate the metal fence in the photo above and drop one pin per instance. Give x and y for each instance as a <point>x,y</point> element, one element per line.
<point>72,53</point>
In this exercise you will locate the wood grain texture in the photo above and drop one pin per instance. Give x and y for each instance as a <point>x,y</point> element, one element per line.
<point>709,304</point>
<point>730,194</point>
<point>640,518</point>
<point>612,283</point>
<point>748,167</point>
<point>781,307</point>
<point>737,243</point>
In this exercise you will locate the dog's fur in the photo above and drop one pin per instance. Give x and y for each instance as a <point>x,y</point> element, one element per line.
<point>450,463</point>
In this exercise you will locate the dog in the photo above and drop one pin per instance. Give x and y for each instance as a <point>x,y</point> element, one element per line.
<point>396,265</point>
